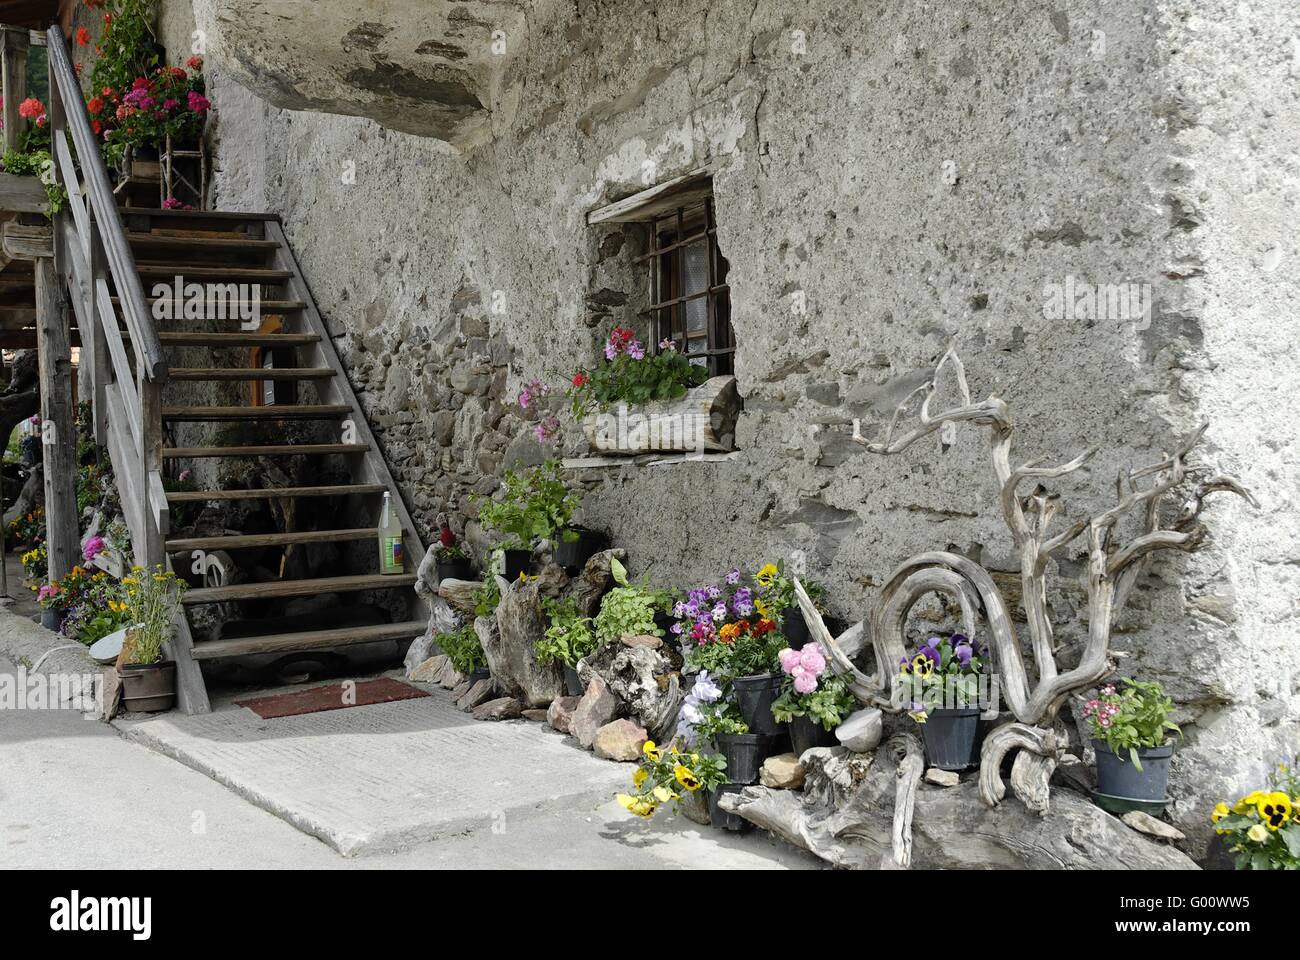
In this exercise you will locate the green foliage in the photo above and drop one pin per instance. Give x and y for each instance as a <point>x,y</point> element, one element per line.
<point>663,376</point>
<point>664,775</point>
<point>153,599</point>
<point>830,704</point>
<point>776,590</point>
<point>127,48</point>
<point>535,505</point>
<point>944,673</point>
<point>1132,718</point>
<point>1263,827</point>
<point>568,638</point>
<point>38,163</point>
<point>720,717</point>
<point>629,609</point>
<point>753,652</point>
<point>462,647</point>
<point>488,595</point>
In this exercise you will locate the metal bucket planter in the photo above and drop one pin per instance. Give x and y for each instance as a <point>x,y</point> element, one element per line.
<point>755,695</point>
<point>950,736</point>
<point>148,687</point>
<point>720,818</point>
<point>806,734</point>
<point>1117,777</point>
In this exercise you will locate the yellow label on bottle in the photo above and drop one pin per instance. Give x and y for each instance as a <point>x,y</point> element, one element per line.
<point>392,555</point>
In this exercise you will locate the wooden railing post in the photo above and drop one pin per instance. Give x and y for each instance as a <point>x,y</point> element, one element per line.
<point>151,470</point>
<point>101,365</point>
<point>58,430</point>
<point>13,69</point>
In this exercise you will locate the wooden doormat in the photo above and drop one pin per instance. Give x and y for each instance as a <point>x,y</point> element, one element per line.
<point>331,697</point>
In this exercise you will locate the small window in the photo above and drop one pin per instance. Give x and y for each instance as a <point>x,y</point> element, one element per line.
<point>690,299</point>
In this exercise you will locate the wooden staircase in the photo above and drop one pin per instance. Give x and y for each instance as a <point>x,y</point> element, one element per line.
<point>111,260</point>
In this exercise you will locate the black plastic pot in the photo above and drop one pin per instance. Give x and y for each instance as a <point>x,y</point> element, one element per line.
<point>479,673</point>
<point>516,562</point>
<point>1117,777</point>
<point>755,695</point>
<point>572,685</point>
<point>52,619</point>
<point>721,818</point>
<point>794,628</point>
<point>806,734</point>
<point>744,753</point>
<point>950,736</point>
<point>573,554</point>
<point>457,569</point>
<point>148,687</point>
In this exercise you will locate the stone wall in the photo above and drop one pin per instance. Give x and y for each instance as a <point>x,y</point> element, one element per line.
<point>889,177</point>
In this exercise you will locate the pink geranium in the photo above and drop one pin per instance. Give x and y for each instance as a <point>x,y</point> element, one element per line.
<point>93,548</point>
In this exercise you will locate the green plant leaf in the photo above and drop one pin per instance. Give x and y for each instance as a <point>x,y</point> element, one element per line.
<point>618,571</point>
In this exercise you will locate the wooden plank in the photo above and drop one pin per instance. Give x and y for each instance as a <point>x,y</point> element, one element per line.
<point>178,339</point>
<point>150,464</point>
<point>283,450</point>
<point>14,42</point>
<point>658,200</point>
<point>276,493</point>
<point>245,541</point>
<point>121,366</point>
<point>250,373</point>
<point>275,412</point>
<point>267,307</point>
<point>27,241</point>
<point>170,241</point>
<point>21,194</point>
<point>297,588</point>
<point>191,693</point>
<point>310,640</point>
<point>58,431</point>
<point>207,271</point>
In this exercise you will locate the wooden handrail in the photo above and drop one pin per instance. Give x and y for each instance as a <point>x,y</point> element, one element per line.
<point>107,219</point>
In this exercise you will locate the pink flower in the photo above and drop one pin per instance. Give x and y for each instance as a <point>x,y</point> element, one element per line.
<point>93,548</point>
<point>805,683</point>
<point>198,102</point>
<point>547,430</point>
<point>812,660</point>
<point>184,475</point>
<point>789,659</point>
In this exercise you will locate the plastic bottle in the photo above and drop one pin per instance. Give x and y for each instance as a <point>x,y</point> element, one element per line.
<point>392,553</point>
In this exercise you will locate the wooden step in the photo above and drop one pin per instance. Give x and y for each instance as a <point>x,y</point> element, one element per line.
<point>249,373</point>
<point>265,307</point>
<point>244,541</point>
<point>199,241</point>
<point>178,339</point>
<point>285,450</point>
<point>194,272</point>
<point>273,493</point>
<point>288,411</point>
<point>308,640</point>
<point>297,588</point>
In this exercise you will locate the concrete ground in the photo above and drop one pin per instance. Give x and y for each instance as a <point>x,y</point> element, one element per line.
<point>408,784</point>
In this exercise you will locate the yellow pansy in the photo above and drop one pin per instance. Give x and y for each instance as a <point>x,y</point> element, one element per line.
<point>1258,833</point>
<point>651,750</point>
<point>1220,811</point>
<point>766,574</point>
<point>686,777</point>
<point>1248,803</point>
<point>1274,809</point>
<point>922,666</point>
<point>764,610</point>
<point>663,794</point>
<point>639,778</point>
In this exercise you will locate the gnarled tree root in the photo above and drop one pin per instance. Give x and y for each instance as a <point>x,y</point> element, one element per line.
<point>1031,771</point>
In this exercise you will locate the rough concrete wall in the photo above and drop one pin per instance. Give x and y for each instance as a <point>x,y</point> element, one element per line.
<point>913,174</point>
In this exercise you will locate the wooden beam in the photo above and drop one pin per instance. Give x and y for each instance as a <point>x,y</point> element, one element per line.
<point>659,199</point>
<point>13,73</point>
<point>27,241</point>
<point>21,194</point>
<point>58,431</point>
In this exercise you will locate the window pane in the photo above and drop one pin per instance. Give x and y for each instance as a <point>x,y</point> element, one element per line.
<point>696,280</point>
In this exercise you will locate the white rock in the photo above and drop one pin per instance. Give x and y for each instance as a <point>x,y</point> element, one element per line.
<point>782,772</point>
<point>1145,823</point>
<point>942,778</point>
<point>861,732</point>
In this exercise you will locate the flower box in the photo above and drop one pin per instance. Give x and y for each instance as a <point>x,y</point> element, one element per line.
<point>703,420</point>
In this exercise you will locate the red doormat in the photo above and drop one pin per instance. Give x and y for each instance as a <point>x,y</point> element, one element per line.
<point>331,697</point>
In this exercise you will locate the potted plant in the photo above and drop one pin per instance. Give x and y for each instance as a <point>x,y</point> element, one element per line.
<point>722,631</point>
<point>1262,829</point>
<point>814,700</point>
<point>664,401</point>
<point>533,506</point>
<point>577,545</point>
<point>669,775</point>
<point>628,610</point>
<point>1130,730</point>
<point>153,600</point>
<point>941,685</point>
<point>567,639</point>
<point>776,600</point>
<point>465,652</point>
<point>450,559</point>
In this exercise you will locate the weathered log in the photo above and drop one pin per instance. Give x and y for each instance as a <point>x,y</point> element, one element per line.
<point>460,594</point>
<point>512,651</point>
<point>704,420</point>
<point>845,815</point>
<point>1000,741</point>
<point>909,755</point>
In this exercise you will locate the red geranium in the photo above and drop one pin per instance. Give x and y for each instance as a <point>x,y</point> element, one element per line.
<point>83,37</point>
<point>31,108</point>
<point>579,379</point>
